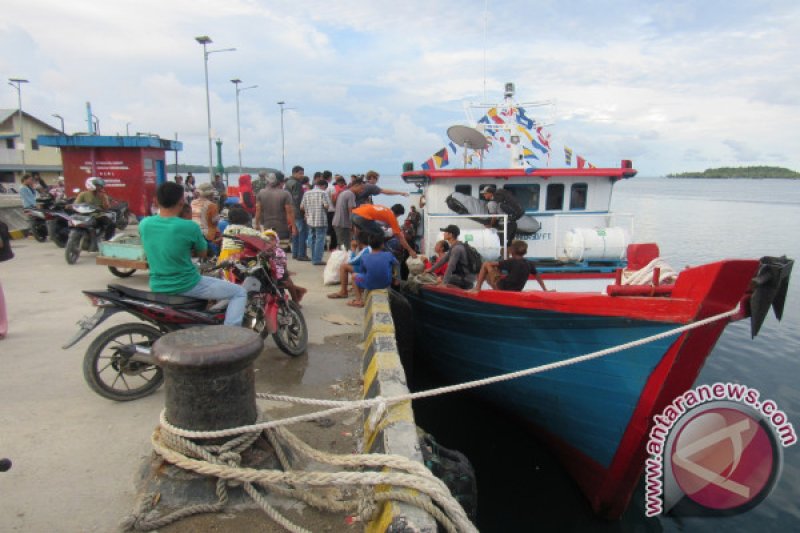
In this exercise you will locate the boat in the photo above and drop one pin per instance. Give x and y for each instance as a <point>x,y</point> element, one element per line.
<point>608,291</point>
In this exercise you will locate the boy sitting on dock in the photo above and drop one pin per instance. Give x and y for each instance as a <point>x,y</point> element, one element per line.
<point>376,271</point>
<point>518,269</point>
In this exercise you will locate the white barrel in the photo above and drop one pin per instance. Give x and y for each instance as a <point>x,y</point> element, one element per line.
<point>591,244</point>
<point>486,241</point>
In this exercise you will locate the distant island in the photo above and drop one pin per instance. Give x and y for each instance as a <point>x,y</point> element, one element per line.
<point>741,173</point>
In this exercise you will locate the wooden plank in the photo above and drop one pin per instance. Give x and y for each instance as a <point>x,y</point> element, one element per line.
<point>121,263</point>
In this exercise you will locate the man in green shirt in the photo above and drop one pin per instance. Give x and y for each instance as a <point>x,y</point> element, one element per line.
<point>95,194</point>
<point>169,241</point>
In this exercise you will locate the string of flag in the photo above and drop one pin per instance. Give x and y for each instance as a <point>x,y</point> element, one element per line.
<point>497,125</point>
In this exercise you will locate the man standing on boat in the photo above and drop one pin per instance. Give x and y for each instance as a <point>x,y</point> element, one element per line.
<point>497,200</point>
<point>457,272</point>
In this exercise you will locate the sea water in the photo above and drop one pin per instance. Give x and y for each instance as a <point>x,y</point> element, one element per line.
<point>521,486</point>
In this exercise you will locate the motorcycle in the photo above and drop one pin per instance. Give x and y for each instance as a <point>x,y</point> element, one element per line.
<point>37,217</point>
<point>58,214</point>
<point>120,208</point>
<point>87,226</point>
<point>119,364</point>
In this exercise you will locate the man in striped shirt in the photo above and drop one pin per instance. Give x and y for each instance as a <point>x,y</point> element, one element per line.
<point>314,207</point>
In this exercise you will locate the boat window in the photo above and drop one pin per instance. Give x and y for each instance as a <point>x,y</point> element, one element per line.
<point>464,189</point>
<point>526,195</point>
<point>577,196</point>
<point>555,197</point>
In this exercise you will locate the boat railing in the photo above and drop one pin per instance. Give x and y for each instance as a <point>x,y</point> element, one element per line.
<point>431,229</point>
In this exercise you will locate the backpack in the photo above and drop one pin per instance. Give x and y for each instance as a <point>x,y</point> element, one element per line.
<point>509,204</point>
<point>474,259</point>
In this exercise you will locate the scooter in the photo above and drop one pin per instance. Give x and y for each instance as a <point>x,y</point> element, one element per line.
<point>119,364</point>
<point>58,215</point>
<point>37,217</point>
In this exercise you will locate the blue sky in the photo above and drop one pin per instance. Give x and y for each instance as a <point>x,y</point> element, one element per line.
<point>674,86</point>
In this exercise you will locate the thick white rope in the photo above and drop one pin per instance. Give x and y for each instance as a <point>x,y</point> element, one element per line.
<point>339,406</point>
<point>644,275</point>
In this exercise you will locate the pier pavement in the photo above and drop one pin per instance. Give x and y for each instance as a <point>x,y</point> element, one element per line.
<point>76,455</point>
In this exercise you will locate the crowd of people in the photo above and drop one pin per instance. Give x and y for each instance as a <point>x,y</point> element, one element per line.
<point>307,216</point>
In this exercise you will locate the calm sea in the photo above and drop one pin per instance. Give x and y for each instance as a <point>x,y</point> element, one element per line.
<point>521,487</point>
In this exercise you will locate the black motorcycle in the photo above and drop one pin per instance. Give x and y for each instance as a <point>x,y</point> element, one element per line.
<point>88,225</point>
<point>120,208</point>
<point>37,218</point>
<point>119,364</point>
<point>58,214</point>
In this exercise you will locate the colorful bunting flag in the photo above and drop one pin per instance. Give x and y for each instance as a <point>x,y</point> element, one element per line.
<point>453,147</point>
<point>524,120</point>
<point>528,154</point>
<point>568,156</point>
<point>581,162</point>
<point>441,158</point>
<point>492,113</point>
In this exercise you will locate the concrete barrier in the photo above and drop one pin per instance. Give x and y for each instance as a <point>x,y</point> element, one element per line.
<point>396,433</point>
<point>11,213</point>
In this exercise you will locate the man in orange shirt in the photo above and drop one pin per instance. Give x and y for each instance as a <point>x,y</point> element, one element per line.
<point>369,217</point>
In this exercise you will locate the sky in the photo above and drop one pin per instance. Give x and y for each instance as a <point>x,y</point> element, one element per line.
<point>673,85</point>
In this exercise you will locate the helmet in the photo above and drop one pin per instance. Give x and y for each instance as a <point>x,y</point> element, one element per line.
<point>60,179</point>
<point>93,183</point>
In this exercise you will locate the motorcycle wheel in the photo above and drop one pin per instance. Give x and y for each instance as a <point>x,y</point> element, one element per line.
<point>292,334</point>
<point>122,272</point>
<point>39,232</point>
<point>108,369</point>
<point>72,251</point>
<point>254,316</point>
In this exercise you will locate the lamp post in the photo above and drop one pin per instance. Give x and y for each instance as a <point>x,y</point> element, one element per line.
<point>205,40</point>
<point>17,84</point>
<point>236,82</point>
<point>96,124</point>
<point>283,145</point>
<point>59,117</point>
<point>127,128</point>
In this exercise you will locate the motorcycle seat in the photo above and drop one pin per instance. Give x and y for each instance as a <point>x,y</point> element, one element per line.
<point>168,299</point>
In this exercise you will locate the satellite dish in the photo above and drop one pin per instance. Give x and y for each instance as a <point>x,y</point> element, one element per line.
<point>467,137</point>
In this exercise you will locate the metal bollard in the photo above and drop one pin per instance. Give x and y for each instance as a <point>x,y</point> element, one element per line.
<point>208,375</point>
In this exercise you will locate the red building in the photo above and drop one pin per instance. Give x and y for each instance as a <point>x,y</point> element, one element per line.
<point>132,167</point>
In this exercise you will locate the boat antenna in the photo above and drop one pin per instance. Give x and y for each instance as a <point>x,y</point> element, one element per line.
<point>485,34</point>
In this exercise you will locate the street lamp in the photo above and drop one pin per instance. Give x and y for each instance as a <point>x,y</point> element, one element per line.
<point>205,40</point>
<point>236,82</point>
<point>96,124</point>
<point>283,145</point>
<point>17,84</point>
<point>127,128</point>
<point>59,117</point>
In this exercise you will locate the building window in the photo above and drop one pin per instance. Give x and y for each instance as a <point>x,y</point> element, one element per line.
<point>148,164</point>
<point>10,144</point>
<point>555,197</point>
<point>34,144</point>
<point>464,189</point>
<point>526,195</point>
<point>577,196</point>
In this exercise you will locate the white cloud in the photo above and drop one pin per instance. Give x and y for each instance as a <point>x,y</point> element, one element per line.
<point>675,84</point>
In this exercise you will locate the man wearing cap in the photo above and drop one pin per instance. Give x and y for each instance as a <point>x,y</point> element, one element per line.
<point>275,210</point>
<point>456,259</point>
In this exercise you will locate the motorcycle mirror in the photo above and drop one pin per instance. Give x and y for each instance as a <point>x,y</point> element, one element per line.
<point>76,190</point>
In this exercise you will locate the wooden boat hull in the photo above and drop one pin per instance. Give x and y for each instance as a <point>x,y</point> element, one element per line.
<point>597,414</point>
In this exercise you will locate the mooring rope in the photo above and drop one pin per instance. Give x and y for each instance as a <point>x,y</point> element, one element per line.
<point>341,406</point>
<point>223,461</point>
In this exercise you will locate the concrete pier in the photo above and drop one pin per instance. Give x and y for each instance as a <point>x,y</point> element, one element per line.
<point>76,455</point>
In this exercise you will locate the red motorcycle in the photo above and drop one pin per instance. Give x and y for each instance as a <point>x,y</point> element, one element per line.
<point>119,364</point>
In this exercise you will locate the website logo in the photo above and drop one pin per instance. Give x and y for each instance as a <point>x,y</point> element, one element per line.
<point>715,450</point>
